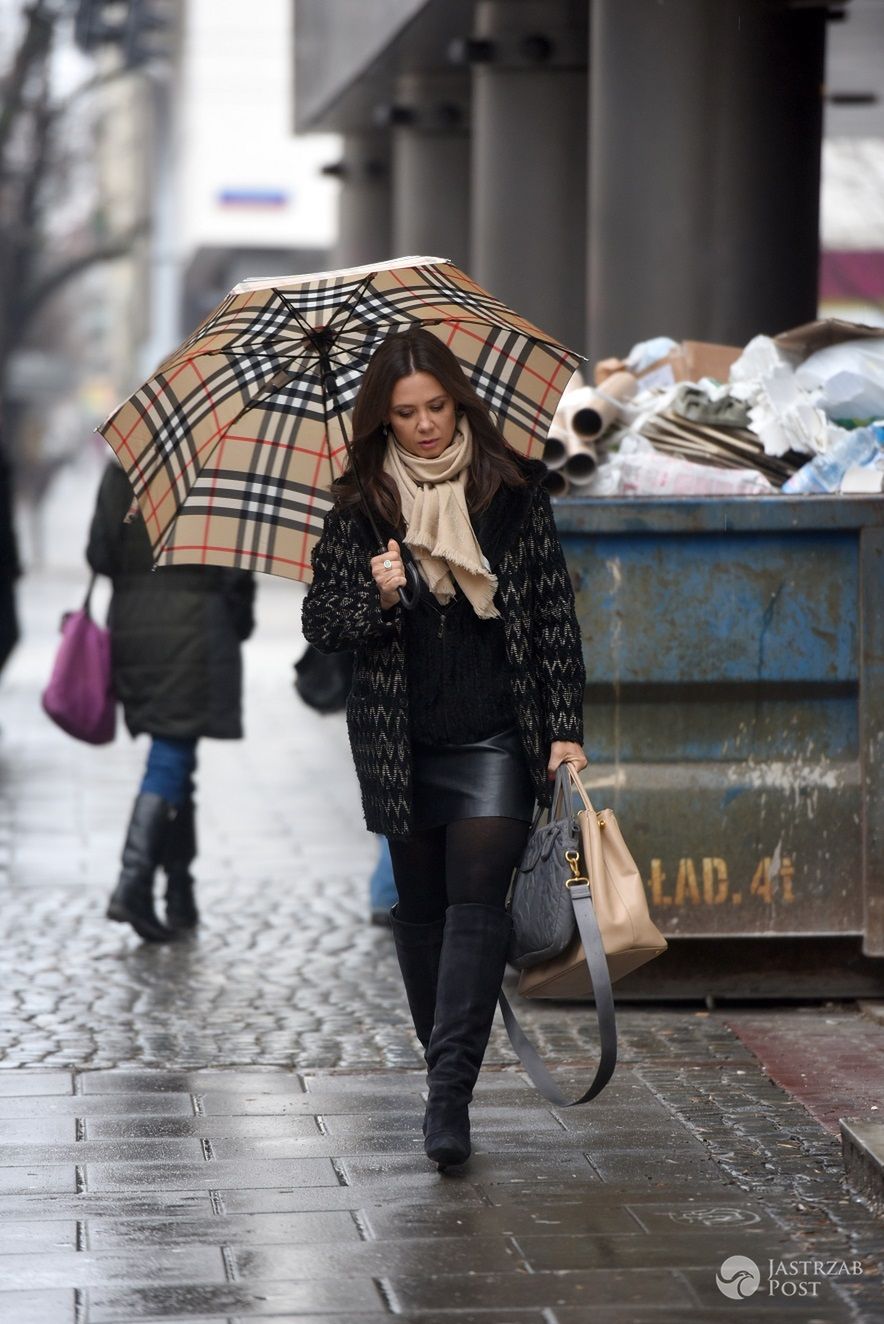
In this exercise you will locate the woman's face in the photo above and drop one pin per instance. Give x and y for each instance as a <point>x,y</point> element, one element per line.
<point>422,415</point>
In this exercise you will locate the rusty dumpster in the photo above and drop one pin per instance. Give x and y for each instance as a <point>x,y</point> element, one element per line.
<point>735,723</point>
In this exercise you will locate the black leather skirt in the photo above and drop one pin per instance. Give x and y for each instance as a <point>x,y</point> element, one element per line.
<point>487,779</point>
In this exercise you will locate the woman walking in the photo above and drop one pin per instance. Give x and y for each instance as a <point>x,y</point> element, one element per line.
<point>460,710</point>
<point>177,670</point>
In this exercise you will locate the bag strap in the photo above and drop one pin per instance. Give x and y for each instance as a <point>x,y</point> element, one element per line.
<point>593,948</point>
<point>561,803</point>
<point>87,601</point>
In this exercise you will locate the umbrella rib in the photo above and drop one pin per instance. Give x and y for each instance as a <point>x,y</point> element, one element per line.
<point>324,358</point>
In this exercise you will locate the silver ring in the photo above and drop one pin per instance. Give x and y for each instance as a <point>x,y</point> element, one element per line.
<point>388,565</point>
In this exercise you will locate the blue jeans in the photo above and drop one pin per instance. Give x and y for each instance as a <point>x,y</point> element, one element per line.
<point>381,888</point>
<point>170,768</point>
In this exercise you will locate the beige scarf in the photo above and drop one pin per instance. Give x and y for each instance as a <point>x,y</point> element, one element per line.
<point>439,532</point>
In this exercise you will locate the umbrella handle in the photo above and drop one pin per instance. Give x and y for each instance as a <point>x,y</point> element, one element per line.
<point>409,596</point>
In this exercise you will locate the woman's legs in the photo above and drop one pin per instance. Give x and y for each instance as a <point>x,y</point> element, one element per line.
<point>417,921</point>
<point>169,771</point>
<point>467,862</point>
<point>480,855</point>
<point>164,788</point>
<point>419,873</point>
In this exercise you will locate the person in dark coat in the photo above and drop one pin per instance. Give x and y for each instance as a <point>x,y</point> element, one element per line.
<point>177,670</point>
<point>462,709</point>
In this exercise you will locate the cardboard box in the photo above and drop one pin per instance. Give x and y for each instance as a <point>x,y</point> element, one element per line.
<point>690,361</point>
<point>802,341</point>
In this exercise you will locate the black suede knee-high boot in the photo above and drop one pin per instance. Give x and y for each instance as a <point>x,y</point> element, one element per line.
<point>471,970</point>
<point>132,899</point>
<point>179,853</point>
<point>418,948</point>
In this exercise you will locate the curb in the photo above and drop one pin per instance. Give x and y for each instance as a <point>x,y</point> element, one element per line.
<point>862,1147</point>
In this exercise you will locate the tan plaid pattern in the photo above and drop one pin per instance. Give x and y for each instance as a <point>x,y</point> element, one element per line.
<point>231,445</point>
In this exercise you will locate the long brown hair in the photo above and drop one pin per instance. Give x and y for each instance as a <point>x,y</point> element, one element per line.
<point>494,463</point>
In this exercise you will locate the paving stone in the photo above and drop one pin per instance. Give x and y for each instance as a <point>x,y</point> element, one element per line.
<point>305,1229</point>
<point>219,1104</point>
<point>18,1130</point>
<point>16,1083</point>
<point>193,1082</point>
<point>86,1204</point>
<point>239,1127</point>
<point>24,1180</point>
<point>188,1177</point>
<point>103,1152</point>
<point>177,1264</point>
<point>676,1163</point>
<point>252,1300</point>
<point>128,1105</point>
<point>582,1219</point>
<point>512,1291</point>
<point>207,1319</point>
<point>57,1307</point>
<point>666,1251</point>
<point>34,1236</point>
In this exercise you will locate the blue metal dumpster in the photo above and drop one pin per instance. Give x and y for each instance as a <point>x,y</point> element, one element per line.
<point>735,723</point>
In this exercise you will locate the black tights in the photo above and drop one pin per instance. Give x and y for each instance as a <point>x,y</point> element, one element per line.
<point>460,863</point>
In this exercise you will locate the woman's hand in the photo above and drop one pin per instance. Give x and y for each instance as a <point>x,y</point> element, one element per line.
<point>389,575</point>
<point>565,751</point>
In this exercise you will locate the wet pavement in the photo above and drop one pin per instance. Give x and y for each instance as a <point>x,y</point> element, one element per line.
<point>228,1129</point>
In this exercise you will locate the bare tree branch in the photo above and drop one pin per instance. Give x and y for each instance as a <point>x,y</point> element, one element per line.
<point>114,248</point>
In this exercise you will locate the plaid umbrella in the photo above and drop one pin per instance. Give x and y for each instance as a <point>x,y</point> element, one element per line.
<point>231,445</point>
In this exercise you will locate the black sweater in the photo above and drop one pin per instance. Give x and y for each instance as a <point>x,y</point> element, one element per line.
<point>457,672</point>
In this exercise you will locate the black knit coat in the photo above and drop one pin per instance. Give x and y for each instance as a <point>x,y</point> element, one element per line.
<point>536,601</point>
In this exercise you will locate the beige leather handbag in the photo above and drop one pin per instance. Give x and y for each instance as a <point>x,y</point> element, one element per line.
<point>629,935</point>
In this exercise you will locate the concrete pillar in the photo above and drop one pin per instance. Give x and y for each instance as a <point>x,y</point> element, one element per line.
<point>431,166</point>
<point>364,210</point>
<point>528,208</point>
<point>705,130</point>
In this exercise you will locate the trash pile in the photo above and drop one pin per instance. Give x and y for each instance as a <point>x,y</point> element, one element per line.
<point>802,412</point>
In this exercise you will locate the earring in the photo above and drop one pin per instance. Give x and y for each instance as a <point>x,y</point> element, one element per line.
<point>385,431</point>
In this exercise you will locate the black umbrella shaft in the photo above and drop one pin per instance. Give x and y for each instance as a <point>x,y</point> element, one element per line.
<point>330,393</point>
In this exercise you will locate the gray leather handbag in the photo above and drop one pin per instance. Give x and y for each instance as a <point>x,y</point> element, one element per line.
<point>549,910</point>
<point>541,909</point>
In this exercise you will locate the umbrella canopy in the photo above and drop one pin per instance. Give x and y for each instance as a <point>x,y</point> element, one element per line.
<point>233,442</point>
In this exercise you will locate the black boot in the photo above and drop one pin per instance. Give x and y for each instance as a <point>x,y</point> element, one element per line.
<point>132,899</point>
<point>471,972</point>
<point>418,947</point>
<point>179,853</point>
